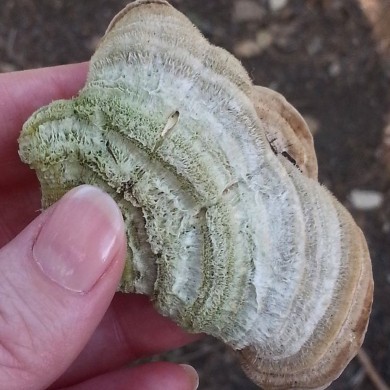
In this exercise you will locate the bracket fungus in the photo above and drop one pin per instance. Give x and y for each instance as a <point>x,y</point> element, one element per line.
<point>229,231</point>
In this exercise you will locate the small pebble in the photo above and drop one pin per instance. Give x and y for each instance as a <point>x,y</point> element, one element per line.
<point>334,69</point>
<point>246,49</point>
<point>263,39</point>
<point>250,48</point>
<point>247,11</point>
<point>314,46</point>
<point>277,5</point>
<point>365,199</point>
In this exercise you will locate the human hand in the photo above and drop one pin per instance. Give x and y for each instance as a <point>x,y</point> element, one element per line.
<point>59,323</point>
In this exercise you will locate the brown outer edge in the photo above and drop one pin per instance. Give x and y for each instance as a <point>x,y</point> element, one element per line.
<point>328,368</point>
<point>130,7</point>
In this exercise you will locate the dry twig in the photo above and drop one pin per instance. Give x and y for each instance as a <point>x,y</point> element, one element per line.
<point>371,371</point>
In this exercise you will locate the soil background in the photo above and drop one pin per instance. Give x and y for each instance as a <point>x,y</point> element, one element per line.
<point>323,56</point>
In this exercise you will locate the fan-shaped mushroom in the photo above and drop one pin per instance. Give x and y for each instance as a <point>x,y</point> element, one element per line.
<point>228,230</point>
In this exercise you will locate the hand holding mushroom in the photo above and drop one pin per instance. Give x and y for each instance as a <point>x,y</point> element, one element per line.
<point>228,230</point>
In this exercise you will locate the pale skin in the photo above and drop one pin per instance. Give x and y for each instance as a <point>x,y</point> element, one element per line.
<point>51,337</point>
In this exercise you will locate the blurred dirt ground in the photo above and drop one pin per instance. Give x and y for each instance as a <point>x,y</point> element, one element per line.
<point>329,58</point>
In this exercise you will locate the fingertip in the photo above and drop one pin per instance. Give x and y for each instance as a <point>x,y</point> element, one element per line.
<point>192,375</point>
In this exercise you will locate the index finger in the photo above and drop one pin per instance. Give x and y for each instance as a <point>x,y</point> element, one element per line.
<point>23,92</point>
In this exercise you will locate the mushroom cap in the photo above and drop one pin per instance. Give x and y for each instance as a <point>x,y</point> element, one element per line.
<point>229,231</point>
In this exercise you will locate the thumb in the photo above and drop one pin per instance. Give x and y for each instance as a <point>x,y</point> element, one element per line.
<point>57,279</point>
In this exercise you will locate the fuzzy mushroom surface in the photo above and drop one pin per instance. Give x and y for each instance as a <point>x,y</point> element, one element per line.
<point>229,231</point>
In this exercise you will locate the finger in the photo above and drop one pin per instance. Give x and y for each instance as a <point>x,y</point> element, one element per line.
<point>25,91</point>
<point>152,376</point>
<point>131,329</point>
<point>57,279</point>
<point>21,93</point>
